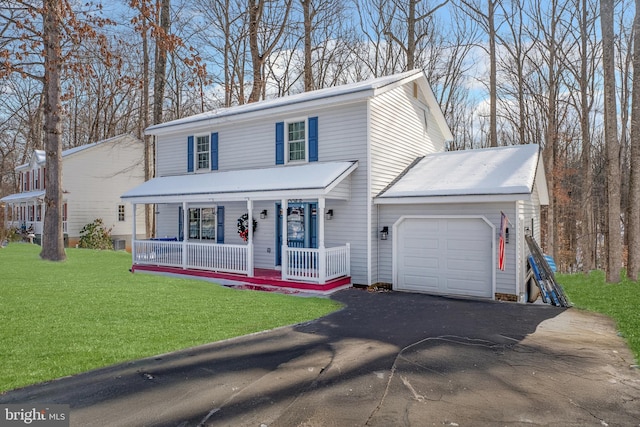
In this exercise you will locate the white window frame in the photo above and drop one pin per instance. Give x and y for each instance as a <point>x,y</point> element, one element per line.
<point>287,142</point>
<point>196,153</point>
<point>214,209</point>
<point>122,213</point>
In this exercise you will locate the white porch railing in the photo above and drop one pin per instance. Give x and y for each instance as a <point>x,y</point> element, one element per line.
<point>38,226</point>
<point>300,264</point>
<point>205,256</point>
<point>217,257</point>
<point>155,252</point>
<point>316,265</point>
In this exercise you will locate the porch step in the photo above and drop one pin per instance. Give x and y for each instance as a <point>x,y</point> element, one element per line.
<point>266,280</point>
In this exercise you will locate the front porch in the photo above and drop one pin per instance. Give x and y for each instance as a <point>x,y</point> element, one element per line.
<point>316,269</point>
<point>293,241</point>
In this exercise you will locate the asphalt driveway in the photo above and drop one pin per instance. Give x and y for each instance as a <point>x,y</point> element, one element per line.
<point>386,359</point>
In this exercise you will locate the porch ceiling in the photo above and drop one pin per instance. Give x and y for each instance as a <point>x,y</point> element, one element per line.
<point>310,180</point>
<point>28,196</point>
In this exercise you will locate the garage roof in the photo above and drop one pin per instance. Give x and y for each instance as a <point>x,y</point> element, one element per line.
<point>491,174</point>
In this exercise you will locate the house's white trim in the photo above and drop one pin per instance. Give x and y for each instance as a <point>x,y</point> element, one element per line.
<point>541,182</point>
<point>396,225</point>
<point>369,198</point>
<point>470,198</point>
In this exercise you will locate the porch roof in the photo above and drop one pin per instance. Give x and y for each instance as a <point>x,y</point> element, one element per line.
<point>23,197</point>
<point>310,180</point>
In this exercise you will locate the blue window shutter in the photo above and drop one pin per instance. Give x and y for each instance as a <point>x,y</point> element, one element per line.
<point>220,225</point>
<point>280,143</point>
<point>180,224</point>
<point>214,151</point>
<point>190,153</point>
<point>313,139</point>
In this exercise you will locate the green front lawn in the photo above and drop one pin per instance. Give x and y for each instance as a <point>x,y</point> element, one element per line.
<point>619,301</point>
<point>89,311</point>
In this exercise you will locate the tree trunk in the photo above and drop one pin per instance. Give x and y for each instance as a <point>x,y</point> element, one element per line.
<point>493,86</point>
<point>633,263</point>
<point>255,15</point>
<point>148,147</point>
<point>160,71</point>
<point>612,145</point>
<point>586,241</point>
<point>53,239</point>
<point>308,28</point>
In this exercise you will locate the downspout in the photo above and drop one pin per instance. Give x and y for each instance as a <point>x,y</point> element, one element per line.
<point>369,196</point>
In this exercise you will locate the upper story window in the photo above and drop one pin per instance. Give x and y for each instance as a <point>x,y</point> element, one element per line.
<point>120,213</point>
<point>296,141</point>
<point>202,152</point>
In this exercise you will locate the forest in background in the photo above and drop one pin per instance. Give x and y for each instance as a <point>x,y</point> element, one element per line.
<point>504,72</point>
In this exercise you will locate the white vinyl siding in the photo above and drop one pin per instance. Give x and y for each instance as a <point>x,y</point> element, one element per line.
<point>397,139</point>
<point>95,178</point>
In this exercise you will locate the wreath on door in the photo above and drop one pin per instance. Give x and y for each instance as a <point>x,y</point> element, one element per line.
<point>243,225</point>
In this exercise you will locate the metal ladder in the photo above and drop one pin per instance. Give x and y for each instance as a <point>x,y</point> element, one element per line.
<point>550,290</point>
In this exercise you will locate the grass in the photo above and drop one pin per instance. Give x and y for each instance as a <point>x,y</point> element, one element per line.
<point>619,301</point>
<point>62,318</point>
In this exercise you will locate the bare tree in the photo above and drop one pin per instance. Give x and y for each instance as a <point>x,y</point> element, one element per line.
<point>413,19</point>
<point>40,49</point>
<point>633,228</point>
<point>487,19</point>
<point>614,239</point>
<point>266,29</point>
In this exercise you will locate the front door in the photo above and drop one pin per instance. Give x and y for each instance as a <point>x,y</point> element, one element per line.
<point>302,227</point>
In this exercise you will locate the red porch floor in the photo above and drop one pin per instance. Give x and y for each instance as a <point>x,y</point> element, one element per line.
<point>263,280</point>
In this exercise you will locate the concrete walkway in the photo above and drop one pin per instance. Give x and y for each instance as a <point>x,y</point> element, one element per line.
<point>386,359</point>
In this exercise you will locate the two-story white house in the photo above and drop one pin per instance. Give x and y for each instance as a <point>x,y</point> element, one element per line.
<point>94,176</point>
<point>325,189</point>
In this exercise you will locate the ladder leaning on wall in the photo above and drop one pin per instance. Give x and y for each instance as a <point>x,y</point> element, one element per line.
<point>542,273</point>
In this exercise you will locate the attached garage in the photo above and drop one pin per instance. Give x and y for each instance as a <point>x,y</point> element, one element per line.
<point>444,215</point>
<point>444,255</point>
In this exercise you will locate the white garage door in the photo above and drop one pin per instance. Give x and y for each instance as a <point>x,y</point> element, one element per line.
<point>444,256</point>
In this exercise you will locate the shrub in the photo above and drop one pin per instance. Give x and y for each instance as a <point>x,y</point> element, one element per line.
<point>95,236</point>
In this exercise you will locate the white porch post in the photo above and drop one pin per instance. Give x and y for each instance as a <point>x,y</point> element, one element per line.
<point>284,257</point>
<point>133,234</point>
<point>250,238</point>
<point>185,230</point>
<point>44,209</point>
<point>322,259</point>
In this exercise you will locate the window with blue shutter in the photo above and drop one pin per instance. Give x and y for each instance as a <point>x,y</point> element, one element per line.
<point>280,143</point>
<point>214,151</point>
<point>220,225</point>
<point>313,139</point>
<point>190,153</point>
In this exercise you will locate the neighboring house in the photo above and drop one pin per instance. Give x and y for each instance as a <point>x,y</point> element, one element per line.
<point>93,178</point>
<point>342,186</point>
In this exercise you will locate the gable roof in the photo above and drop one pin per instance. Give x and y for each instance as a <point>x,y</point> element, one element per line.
<point>327,96</point>
<point>490,174</point>
<point>39,156</point>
